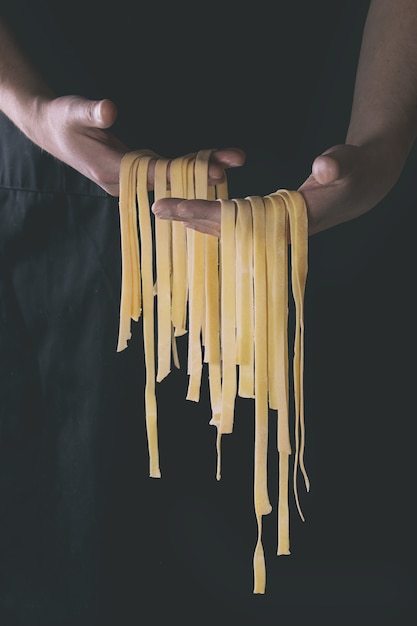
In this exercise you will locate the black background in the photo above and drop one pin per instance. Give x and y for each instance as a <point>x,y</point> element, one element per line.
<point>120,546</point>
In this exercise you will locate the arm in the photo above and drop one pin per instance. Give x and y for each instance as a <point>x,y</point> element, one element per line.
<point>71,128</point>
<point>350,179</point>
<point>385,96</point>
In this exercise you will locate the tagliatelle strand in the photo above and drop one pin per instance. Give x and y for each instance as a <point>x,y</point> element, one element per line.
<point>163,243</point>
<point>261,497</point>
<point>299,262</point>
<point>245,336</point>
<point>278,350</point>
<point>146,244</point>
<point>227,324</point>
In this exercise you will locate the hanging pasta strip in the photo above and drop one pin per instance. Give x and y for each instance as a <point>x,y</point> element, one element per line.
<point>204,247</point>
<point>300,228</point>
<point>196,245</point>
<point>212,354</point>
<point>203,191</point>
<point>135,307</point>
<point>130,298</point>
<point>277,273</point>
<point>244,299</point>
<point>273,297</point>
<point>148,315</point>
<point>212,316</point>
<point>228,315</point>
<point>127,206</point>
<point>179,251</point>
<point>201,164</point>
<point>298,234</point>
<point>201,286</point>
<point>163,275</point>
<point>261,498</point>
<point>227,321</point>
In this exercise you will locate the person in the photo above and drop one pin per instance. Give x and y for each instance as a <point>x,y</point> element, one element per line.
<point>352,177</point>
<point>86,537</point>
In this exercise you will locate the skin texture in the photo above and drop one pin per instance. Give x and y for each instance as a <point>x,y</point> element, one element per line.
<point>73,129</point>
<point>348,180</point>
<point>345,182</point>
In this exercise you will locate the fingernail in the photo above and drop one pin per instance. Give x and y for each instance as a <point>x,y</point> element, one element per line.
<point>157,211</point>
<point>182,211</point>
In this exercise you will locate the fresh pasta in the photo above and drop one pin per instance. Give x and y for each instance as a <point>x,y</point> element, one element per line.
<point>230,295</point>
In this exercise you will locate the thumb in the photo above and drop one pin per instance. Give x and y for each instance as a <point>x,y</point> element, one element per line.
<point>105,113</point>
<point>94,113</point>
<point>334,164</point>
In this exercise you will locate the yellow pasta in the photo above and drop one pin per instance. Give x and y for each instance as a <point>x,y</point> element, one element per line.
<point>244,299</point>
<point>299,231</point>
<point>277,275</point>
<point>179,247</point>
<point>163,271</point>
<point>261,498</point>
<point>231,296</point>
<point>195,250</point>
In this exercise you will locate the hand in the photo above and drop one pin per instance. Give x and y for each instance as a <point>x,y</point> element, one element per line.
<point>76,131</point>
<point>346,182</point>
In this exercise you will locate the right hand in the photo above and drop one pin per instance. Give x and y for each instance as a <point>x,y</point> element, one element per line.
<point>76,131</point>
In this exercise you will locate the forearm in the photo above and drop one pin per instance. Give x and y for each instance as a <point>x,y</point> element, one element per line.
<point>22,88</point>
<point>385,95</point>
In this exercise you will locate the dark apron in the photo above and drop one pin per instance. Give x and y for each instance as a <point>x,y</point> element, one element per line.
<point>86,537</point>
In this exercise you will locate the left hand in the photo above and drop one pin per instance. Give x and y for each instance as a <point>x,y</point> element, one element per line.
<point>346,181</point>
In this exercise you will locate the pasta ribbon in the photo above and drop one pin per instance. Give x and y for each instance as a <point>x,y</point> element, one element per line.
<point>231,296</point>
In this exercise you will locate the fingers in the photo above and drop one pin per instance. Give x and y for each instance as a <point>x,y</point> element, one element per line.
<point>106,113</point>
<point>224,159</point>
<point>326,170</point>
<point>92,113</point>
<point>201,215</point>
<point>335,164</point>
<point>180,210</point>
<point>228,157</point>
<point>219,161</point>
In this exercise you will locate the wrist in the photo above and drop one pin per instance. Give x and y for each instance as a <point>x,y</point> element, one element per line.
<point>29,114</point>
<point>397,137</point>
<point>24,105</point>
<point>385,151</point>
